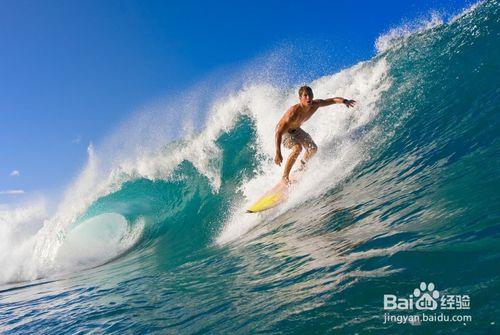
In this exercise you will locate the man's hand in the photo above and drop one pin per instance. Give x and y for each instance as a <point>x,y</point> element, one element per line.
<point>349,103</point>
<point>278,158</point>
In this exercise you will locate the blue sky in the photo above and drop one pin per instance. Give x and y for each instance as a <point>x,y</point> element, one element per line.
<point>72,70</point>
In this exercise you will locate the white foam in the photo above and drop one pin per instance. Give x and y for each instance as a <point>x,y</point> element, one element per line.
<point>18,226</point>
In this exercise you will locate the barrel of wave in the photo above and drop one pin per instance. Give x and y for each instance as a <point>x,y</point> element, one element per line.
<point>97,240</point>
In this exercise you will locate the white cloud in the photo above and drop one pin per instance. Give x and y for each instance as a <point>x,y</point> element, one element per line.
<point>15,173</point>
<point>77,139</point>
<point>12,192</point>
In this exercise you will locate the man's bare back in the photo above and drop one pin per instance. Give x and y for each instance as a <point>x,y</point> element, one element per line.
<point>295,138</point>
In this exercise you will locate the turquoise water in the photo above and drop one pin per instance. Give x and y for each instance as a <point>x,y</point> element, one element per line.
<point>404,190</point>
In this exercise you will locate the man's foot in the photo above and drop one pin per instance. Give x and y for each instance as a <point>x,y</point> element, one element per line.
<point>285,180</point>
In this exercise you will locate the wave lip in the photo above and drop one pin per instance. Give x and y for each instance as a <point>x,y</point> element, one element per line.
<point>396,36</point>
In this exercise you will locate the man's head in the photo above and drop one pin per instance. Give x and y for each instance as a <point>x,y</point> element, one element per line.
<point>306,95</point>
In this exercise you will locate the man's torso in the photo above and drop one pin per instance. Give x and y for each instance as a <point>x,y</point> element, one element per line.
<point>298,114</point>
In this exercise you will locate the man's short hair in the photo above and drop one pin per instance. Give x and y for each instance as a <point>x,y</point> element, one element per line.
<point>304,89</point>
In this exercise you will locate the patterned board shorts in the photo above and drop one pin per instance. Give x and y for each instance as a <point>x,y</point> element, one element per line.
<point>298,136</point>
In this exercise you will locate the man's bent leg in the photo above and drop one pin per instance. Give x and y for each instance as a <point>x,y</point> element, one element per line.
<point>311,150</point>
<point>309,153</point>
<point>296,149</point>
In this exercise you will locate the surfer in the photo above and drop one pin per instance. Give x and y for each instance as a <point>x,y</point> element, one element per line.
<point>295,138</point>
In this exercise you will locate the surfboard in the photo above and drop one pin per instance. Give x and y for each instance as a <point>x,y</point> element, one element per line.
<point>275,196</point>
<point>270,199</point>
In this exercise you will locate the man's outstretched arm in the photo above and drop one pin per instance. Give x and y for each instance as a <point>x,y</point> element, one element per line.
<point>336,100</point>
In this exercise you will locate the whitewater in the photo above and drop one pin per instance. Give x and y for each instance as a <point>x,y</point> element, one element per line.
<point>151,236</point>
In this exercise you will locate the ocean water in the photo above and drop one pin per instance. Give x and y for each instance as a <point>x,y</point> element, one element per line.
<point>152,238</point>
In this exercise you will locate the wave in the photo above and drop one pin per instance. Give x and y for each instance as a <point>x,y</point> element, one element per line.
<point>393,166</point>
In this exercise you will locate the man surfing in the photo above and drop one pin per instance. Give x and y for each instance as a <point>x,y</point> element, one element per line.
<point>295,138</point>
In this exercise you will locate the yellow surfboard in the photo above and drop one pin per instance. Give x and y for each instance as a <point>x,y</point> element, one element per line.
<point>274,196</point>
